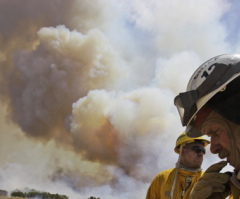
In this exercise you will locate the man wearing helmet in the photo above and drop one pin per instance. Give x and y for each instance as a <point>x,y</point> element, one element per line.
<point>211,106</point>
<point>177,183</point>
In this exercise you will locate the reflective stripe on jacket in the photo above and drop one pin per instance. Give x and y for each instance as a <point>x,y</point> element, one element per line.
<point>161,185</point>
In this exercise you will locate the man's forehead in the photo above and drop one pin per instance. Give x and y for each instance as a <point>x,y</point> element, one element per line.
<point>213,122</point>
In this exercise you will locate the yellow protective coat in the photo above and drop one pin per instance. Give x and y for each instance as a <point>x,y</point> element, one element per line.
<point>235,186</point>
<point>161,185</point>
<point>235,192</point>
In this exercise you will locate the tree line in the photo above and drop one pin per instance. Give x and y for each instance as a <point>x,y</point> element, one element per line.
<point>43,195</point>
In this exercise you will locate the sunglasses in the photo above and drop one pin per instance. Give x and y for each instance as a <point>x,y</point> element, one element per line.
<point>198,149</point>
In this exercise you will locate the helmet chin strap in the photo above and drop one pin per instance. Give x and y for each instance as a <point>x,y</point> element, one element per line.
<point>176,172</point>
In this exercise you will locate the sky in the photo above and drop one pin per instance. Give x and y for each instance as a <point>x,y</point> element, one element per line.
<point>87,89</point>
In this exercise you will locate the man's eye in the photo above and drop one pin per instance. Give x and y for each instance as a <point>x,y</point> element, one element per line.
<point>212,132</point>
<point>216,132</point>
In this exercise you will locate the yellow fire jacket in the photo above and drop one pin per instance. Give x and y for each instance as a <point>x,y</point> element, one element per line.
<point>161,185</point>
<point>235,186</point>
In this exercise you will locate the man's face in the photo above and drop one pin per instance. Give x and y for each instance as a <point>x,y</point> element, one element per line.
<point>191,158</point>
<point>219,140</point>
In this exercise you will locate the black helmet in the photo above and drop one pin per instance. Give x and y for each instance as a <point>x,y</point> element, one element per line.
<point>212,83</point>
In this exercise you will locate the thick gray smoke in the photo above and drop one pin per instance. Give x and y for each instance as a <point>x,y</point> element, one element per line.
<point>87,90</point>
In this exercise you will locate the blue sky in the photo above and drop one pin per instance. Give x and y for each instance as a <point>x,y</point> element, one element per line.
<point>231,21</point>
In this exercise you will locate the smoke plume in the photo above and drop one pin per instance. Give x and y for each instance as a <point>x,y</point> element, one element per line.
<point>87,90</point>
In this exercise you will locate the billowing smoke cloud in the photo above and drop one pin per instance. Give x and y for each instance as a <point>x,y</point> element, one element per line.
<point>87,90</point>
<point>98,121</point>
<point>63,67</point>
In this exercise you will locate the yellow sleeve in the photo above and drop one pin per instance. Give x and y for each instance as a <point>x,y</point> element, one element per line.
<point>160,185</point>
<point>153,192</point>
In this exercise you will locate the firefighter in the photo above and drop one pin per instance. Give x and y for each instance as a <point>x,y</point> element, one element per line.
<point>176,183</point>
<point>211,106</point>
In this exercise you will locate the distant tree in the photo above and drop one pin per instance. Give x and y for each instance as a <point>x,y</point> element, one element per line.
<point>93,197</point>
<point>33,194</point>
<point>18,194</point>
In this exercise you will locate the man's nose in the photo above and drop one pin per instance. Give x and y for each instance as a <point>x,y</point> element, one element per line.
<point>200,153</point>
<point>214,146</point>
